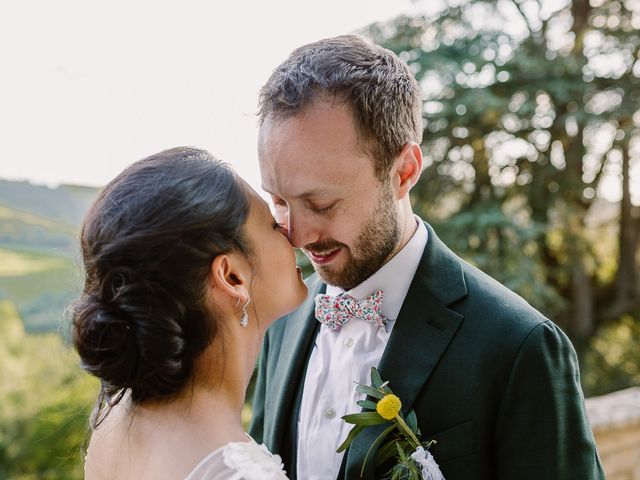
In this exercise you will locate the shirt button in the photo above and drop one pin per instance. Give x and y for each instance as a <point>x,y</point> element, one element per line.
<point>330,413</point>
<point>348,342</point>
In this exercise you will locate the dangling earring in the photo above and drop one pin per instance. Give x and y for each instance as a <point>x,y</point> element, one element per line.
<point>244,321</point>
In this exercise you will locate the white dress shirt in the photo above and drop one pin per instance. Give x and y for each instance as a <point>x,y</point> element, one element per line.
<point>343,356</point>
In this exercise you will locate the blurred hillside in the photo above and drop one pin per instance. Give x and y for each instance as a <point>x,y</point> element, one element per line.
<point>45,398</point>
<point>38,249</point>
<point>40,217</point>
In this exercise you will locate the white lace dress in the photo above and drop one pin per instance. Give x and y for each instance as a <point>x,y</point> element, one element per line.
<point>239,461</point>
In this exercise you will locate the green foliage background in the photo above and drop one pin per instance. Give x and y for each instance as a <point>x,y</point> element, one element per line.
<point>529,107</point>
<point>45,400</point>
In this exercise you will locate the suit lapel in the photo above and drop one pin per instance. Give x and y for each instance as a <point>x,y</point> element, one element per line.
<point>297,340</point>
<point>421,335</point>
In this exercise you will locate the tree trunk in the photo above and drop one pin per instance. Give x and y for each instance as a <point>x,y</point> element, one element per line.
<point>580,10</point>
<point>582,319</point>
<point>626,285</point>
<point>626,291</point>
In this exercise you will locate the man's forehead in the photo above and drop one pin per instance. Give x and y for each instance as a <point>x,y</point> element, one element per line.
<point>312,155</point>
<point>271,129</point>
<point>318,120</point>
<point>297,177</point>
<point>299,194</point>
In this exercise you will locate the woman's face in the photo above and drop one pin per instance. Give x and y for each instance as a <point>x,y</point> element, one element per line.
<point>277,287</point>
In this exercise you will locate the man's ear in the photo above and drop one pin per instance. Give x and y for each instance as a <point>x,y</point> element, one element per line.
<point>229,275</point>
<point>407,169</point>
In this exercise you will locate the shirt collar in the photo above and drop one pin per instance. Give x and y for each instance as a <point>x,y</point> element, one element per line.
<point>394,277</point>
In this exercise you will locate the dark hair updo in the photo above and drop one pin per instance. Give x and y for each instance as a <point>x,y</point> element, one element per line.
<point>147,246</point>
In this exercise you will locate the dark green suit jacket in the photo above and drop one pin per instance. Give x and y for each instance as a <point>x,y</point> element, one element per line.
<point>490,378</point>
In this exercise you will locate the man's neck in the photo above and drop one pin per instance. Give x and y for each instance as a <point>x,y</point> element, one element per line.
<point>408,227</point>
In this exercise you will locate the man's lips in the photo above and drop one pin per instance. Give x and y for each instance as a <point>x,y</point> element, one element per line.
<point>323,258</point>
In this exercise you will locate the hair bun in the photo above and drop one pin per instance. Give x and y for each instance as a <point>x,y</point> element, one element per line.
<point>131,336</point>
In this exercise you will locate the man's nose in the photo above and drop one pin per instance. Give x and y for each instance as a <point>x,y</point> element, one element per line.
<point>302,230</point>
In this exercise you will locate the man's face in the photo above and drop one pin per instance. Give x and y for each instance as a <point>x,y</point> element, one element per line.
<point>326,193</point>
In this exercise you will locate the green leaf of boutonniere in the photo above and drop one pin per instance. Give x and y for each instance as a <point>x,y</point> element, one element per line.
<point>401,436</point>
<point>412,421</point>
<point>368,404</point>
<point>352,434</point>
<point>372,392</point>
<point>390,450</point>
<point>376,379</point>
<point>376,443</point>
<point>405,469</point>
<point>364,418</point>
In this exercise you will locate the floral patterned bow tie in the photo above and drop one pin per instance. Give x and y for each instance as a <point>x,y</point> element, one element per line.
<point>336,311</point>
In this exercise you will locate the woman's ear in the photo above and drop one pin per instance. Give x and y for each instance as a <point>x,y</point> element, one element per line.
<point>229,275</point>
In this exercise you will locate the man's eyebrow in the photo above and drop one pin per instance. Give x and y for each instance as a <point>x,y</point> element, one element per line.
<point>312,193</point>
<point>306,194</point>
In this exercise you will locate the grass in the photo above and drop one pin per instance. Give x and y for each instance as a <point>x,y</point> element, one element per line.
<point>45,400</point>
<point>15,263</point>
<point>11,214</point>
<point>41,285</point>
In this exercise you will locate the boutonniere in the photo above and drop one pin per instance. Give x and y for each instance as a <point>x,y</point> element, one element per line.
<point>400,439</point>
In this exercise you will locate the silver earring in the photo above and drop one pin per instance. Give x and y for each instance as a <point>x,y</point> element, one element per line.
<point>244,321</point>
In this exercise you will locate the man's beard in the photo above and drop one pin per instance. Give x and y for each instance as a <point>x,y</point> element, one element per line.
<point>374,245</point>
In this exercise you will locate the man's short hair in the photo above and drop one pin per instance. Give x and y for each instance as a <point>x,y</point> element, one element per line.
<point>376,85</point>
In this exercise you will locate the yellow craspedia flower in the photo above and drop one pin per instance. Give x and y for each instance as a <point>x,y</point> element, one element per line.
<point>389,406</point>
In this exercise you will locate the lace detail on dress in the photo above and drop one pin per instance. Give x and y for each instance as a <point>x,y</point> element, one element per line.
<point>251,461</point>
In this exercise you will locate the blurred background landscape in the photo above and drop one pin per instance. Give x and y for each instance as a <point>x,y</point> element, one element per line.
<point>45,398</point>
<point>532,147</point>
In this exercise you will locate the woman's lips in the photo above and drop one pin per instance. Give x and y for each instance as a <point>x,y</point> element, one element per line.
<point>323,259</point>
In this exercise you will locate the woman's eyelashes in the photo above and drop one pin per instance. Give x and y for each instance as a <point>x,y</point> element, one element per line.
<point>281,228</point>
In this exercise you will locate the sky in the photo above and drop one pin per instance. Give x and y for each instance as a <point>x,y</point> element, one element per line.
<point>88,87</point>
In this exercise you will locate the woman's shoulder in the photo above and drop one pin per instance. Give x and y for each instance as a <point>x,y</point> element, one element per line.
<point>240,461</point>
